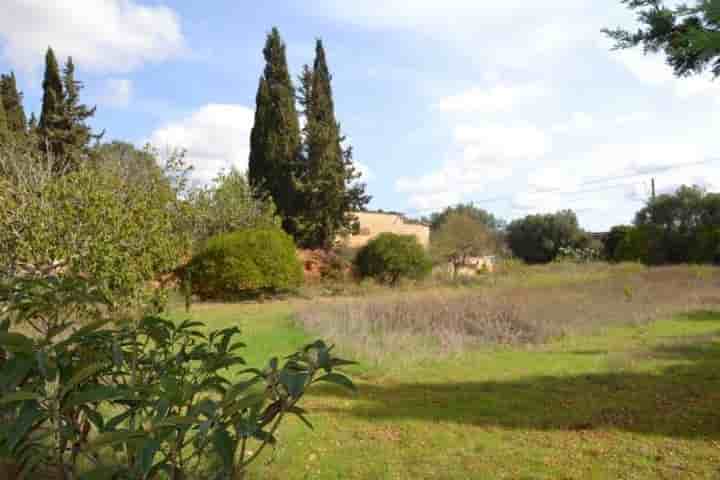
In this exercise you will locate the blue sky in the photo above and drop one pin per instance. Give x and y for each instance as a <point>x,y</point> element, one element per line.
<point>519,108</point>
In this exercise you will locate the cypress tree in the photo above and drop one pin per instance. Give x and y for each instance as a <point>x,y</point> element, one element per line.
<point>52,93</point>
<point>12,103</point>
<point>275,136</point>
<point>329,192</point>
<point>63,129</point>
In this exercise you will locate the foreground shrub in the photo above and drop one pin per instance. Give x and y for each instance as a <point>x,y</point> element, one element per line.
<point>143,399</point>
<point>390,257</point>
<point>246,262</point>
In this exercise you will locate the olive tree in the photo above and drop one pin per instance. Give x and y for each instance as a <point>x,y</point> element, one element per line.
<point>460,237</point>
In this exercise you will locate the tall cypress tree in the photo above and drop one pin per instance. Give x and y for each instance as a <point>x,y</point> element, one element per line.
<point>63,129</point>
<point>330,193</point>
<point>12,100</point>
<point>52,93</point>
<point>275,136</point>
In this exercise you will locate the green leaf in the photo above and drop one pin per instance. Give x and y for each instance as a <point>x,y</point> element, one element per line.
<point>16,342</point>
<point>253,400</point>
<point>112,438</point>
<point>82,375</point>
<point>293,382</point>
<point>97,394</point>
<point>175,421</point>
<point>337,379</point>
<point>18,397</point>
<point>146,455</point>
<point>225,448</point>
<point>29,416</point>
<point>15,370</point>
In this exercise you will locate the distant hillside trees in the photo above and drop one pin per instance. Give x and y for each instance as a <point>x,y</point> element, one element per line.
<point>540,238</point>
<point>310,176</point>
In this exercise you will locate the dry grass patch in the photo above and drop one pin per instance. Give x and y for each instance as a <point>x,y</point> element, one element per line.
<point>530,307</point>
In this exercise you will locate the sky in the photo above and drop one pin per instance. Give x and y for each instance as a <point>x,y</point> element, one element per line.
<point>519,107</point>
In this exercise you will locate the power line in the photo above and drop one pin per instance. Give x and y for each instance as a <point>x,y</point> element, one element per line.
<point>560,190</point>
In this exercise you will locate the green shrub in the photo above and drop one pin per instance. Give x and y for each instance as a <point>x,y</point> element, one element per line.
<point>246,263</point>
<point>390,257</point>
<point>167,395</point>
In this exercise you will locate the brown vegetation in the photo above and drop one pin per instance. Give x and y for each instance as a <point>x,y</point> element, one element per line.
<point>527,307</point>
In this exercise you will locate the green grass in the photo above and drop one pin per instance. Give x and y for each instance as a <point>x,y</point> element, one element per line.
<point>636,402</point>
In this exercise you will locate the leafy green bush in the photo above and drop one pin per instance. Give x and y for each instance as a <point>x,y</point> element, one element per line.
<point>390,257</point>
<point>245,263</point>
<point>144,399</point>
<point>539,238</point>
<point>96,222</point>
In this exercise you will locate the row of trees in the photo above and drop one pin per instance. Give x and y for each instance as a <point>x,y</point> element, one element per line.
<point>62,133</point>
<point>308,172</point>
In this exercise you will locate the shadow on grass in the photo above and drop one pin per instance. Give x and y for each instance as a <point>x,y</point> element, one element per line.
<point>681,401</point>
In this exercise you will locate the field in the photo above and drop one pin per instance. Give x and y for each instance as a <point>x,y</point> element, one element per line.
<point>618,377</point>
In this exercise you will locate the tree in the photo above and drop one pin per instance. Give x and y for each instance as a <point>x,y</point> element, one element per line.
<point>228,205</point>
<point>613,240</point>
<point>688,36</point>
<point>12,100</point>
<point>539,238</point>
<point>275,136</point>
<point>93,223</point>
<point>482,216</point>
<point>460,237</point>
<point>52,94</point>
<point>390,257</point>
<point>328,176</point>
<point>678,228</point>
<point>4,129</point>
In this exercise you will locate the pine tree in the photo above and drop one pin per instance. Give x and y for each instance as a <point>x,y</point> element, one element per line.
<point>275,136</point>
<point>329,191</point>
<point>77,134</point>
<point>12,101</point>
<point>63,127</point>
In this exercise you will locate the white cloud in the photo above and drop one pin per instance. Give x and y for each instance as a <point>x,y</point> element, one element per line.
<point>216,137</point>
<point>103,35</point>
<point>498,98</point>
<point>652,70</point>
<point>480,29</point>
<point>117,92</point>
<point>481,156</point>
<point>633,117</point>
<point>579,122</point>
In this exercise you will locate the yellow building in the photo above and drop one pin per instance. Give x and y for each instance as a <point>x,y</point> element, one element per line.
<point>373,224</point>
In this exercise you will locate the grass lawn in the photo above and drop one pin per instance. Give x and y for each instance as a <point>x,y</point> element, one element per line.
<point>632,402</point>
